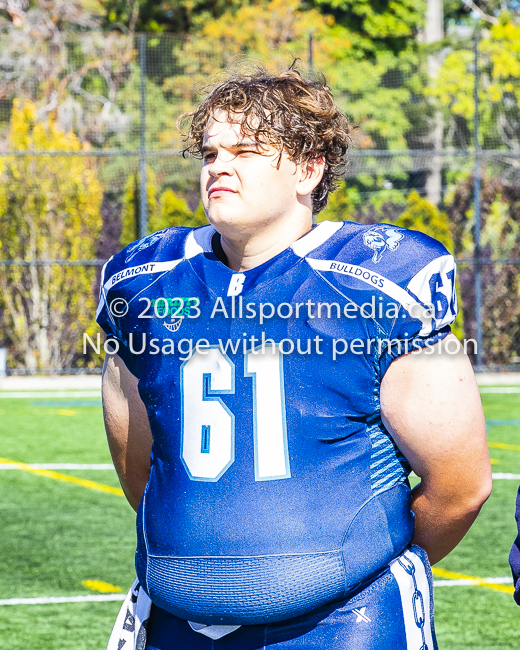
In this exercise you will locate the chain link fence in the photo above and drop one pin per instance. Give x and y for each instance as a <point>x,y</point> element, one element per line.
<point>90,160</point>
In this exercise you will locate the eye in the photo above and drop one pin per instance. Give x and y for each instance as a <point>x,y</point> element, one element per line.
<point>209,157</point>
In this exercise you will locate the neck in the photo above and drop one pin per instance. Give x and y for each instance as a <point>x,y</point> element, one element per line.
<point>248,250</point>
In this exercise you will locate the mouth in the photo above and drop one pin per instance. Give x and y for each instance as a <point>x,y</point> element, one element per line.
<point>220,190</point>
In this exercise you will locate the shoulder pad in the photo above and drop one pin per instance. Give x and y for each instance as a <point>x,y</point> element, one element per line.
<point>408,266</point>
<point>396,253</point>
<point>153,247</point>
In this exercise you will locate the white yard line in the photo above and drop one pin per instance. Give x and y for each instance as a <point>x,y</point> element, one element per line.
<point>499,389</point>
<point>44,394</point>
<point>81,466</point>
<point>464,582</point>
<point>497,476</point>
<point>51,600</point>
<point>61,599</point>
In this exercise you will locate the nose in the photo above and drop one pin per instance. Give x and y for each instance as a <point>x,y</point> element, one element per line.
<point>221,164</point>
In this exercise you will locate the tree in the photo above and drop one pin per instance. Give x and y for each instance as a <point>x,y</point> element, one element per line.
<point>131,210</point>
<point>149,16</point>
<point>169,211</point>
<point>56,15</point>
<point>433,32</point>
<point>499,90</point>
<point>500,204</point>
<point>340,206</point>
<point>457,13</point>
<point>369,88</point>
<point>174,211</point>
<point>376,26</point>
<point>49,209</point>
<point>55,56</point>
<point>422,215</point>
<point>348,203</point>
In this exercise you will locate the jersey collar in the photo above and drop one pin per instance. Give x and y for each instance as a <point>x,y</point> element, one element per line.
<point>217,277</point>
<point>199,240</point>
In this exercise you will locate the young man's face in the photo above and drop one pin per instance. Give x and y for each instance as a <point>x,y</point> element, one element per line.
<point>244,186</point>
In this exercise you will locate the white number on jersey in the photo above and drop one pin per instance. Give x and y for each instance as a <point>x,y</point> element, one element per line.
<point>434,285</point>
<point>270,430</point>
<point>208,426</point>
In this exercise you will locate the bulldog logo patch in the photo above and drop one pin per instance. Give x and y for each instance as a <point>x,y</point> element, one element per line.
<point>380,239</point>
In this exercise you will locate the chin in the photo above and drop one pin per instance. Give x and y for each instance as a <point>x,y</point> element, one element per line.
<point>230,225</point>
<point>221,214</point>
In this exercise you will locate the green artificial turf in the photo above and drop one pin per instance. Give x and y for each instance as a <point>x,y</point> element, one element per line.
<point>55,535</point>
<point>476,618</point>
<point>40,434</point>
<point>68,626</point>
<point>479,617</point>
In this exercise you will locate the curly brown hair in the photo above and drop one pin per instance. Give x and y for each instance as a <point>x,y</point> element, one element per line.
<point>286,111</point>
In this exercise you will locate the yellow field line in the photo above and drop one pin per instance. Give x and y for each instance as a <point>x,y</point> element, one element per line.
<point>102,587</point>
<point>503,445</point>
<point>91,485</point>
<point>479,582</point>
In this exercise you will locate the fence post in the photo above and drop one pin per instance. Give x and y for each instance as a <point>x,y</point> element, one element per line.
<point>3,362</point>
<point>143,194</point>
<point>477,209</point>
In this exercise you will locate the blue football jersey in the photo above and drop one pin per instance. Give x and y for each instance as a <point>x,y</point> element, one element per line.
<point>514,555</point>
<point>274,486</point>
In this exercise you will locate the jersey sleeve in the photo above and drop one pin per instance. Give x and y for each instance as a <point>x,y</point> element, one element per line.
<point>109,306</point>
<point>125,275</point>
<point>427,310</point>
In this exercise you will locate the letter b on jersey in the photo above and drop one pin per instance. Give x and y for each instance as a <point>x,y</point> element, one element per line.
<point>236,284</point>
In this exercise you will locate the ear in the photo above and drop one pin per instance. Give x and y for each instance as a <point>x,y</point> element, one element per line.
<point>311,173</point>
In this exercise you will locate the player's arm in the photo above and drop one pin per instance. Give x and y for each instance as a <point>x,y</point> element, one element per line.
<point>431,405</point>
<point>128,429</point>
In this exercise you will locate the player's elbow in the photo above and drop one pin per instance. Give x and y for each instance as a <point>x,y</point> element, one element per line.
<point>477,490</point>
<point>485,488</point>
<point>463,497</point>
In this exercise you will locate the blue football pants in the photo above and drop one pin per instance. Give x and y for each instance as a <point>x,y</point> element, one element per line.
<point>395,612</point>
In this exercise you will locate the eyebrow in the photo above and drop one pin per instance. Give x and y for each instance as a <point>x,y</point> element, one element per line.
<point>251,144</point>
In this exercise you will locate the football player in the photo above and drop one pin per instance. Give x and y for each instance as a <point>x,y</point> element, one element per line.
<point>514,555</point>
<point>274,385</point>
